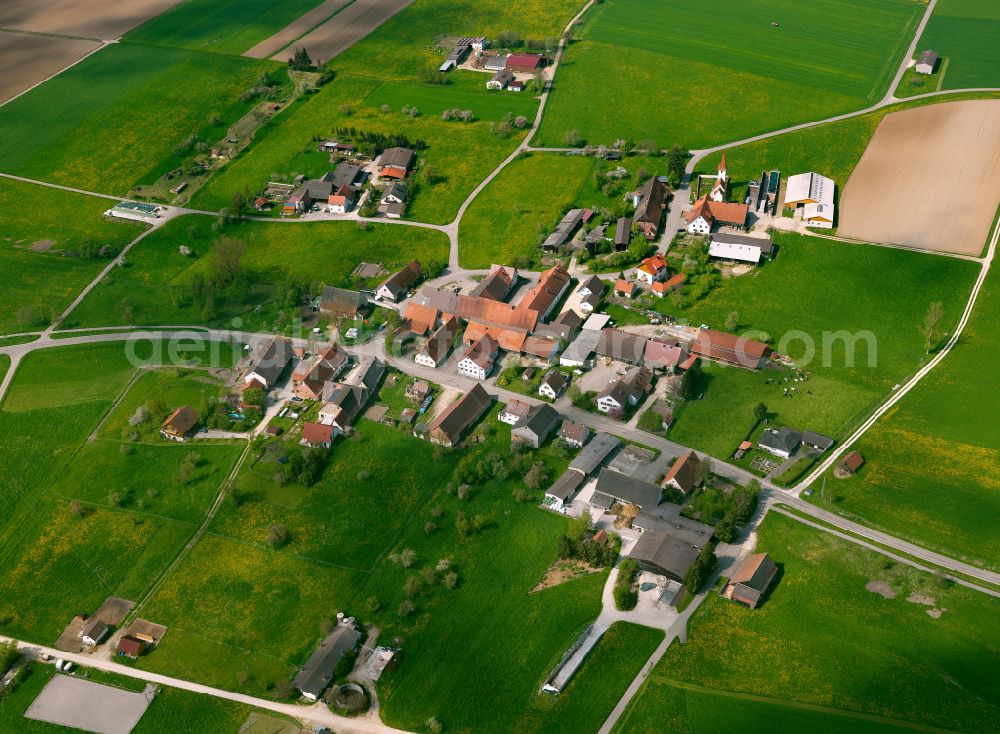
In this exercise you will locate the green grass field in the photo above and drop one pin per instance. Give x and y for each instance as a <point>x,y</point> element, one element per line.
<point>733,77</point>
<point>509,219</point>
<point>933,460</point>
<point>598,686</point>
<point>458,155</point>
<point>820,638</point>
<point>224,27</point>
<point>967,34</point>
<point>465,90</point>
<point>41,282</point>
<point>117,118</point>
<point>172,710</point>
<point>156,284</point>
<point>813,289</point>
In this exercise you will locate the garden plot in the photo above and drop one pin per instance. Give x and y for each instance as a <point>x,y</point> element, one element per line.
<point>930,178</point>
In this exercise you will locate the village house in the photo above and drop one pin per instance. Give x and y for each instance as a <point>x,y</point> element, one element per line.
<point>660,289</point>
<point>659,552</point>
<point>623,392</point>
<point>740,248</point>
<point>310,375</point>
<point>395,163</point>
<point>500,80</point>
<point>478,360</point>
<point>650,201</point>
<point>496,286</point>
<point>813,194</point>
<point>751,581</point>
<point>179,424</point>
<point>513,411</point>
<point>438,345</point>
<point>574,434</point>
<point>563,327</point>
<point>341,200</point>
<point>493,61</point>
<point>706,214</point>
<point>625,288</point>
<point>268,362</point>
<point>316,435</point>
<point>781,442</point>
<point>449,426</point>
<point>621,346</point>
<point>534,428</point>
<point>397,285</point>
<point>340,303</point>
<point>341,405</point>
<point>394,194</point>
<point>664,354</point>
<point>543,348</point>
<point>551,286</point>
<point>652,269</point>
<point>316,675</point>
<point>552,385</point>
<point>685,474</point>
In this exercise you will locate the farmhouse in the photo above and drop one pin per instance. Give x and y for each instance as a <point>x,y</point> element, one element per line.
<point>449,426</point>
<point>267,364</point>
<point>500,80</point>
<point>497,284</point>
<point>478,360</point>
<point>535,428</point>
<point>393,160</point>
<point>317,435</point>
<point>621,346</point>
<point>575,434</point>
<point>563,327</point>
<point>926,62</point>
<point>418,390</point>
<point>396,286</point>
<point>662,553</point>
<point>543,348</point>
<point>812,193</point>
<point>685,473</point>
<point>310,376</point>
<point>727,246</point>
<point>94,632</point>
<point>179,424</point>
<point>781,442</point>
<point>342,404</point>
<point>513,411</point>
<point>546,294</point>
<point>664,353</point>
<point>438,345</point>
<point>728,349</point>
<point>625,288</point>
<point>652,269</point>
<point>341,200</point>
<point>314,677</point>
<point>493,61</point>
<point>394,194</point>
<point>613,486</point>
<point>750,582</point>
<point>649,203</point>
<point>340,303</point>
<point>817,440</point>
<point>624,392</point>
<point>552,385</point>
<point>706,214</point>
<point>523,63</point>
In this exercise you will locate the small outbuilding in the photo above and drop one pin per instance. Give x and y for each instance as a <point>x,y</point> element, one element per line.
<point>851,464</point>
<point>752,579</point>
<point>926,62</point>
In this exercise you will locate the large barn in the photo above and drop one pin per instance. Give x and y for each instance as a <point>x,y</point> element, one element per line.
<point>814,193</point>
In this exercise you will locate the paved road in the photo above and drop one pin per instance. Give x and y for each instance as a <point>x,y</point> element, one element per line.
<point>314,714</point>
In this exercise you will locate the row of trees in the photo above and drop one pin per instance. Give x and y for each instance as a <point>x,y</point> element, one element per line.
<point>702,569</point>
<point>742,505</point>
<point>379,141</point>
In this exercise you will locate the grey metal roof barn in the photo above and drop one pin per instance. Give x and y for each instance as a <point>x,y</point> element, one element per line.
<point>665,554</point>
<point>314,677</point>
<point>594,453</point>
<point>626,489</point>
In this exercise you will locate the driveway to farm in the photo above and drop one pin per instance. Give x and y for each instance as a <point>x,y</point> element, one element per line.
<point>315,714</point>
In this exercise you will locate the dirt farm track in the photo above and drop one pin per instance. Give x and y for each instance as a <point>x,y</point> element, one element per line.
<point>929,178</point>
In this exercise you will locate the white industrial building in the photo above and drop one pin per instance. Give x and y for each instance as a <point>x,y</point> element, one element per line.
<point>814,193</point>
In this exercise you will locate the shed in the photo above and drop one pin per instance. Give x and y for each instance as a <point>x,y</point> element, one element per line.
<point>926,62</point>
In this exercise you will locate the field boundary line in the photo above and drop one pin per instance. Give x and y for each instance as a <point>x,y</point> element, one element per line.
<point>902,723</point>
<point>310,30</point>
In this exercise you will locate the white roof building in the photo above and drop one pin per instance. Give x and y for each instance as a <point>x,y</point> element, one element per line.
<point>739,247</point>
<point>814,193</point>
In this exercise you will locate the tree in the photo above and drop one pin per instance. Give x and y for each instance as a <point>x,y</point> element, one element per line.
<point>573,138</point>
<point>300,60</point>
<point>434,726</point>
<point>702,569</point>
<point>76,508</point>
<point>140,416</point>
<point>450,580</point>
<point>537,475</point>
<point>691,382</point>
<point>732,320</point>
<point>406,608</point>
<point>412,586</point>
<point>227,260</point>
<point>9,653</point>
<point>254,396</point>
<point>760,413</point>
<point>677,159</point>
<point>372,604</point>
<point>277,536</point>
<point>930,326</point>
<point>407,557</point>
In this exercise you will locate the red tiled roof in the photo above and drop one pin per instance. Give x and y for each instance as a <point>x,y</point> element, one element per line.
<point>393,172</point>
<point>317,433</point>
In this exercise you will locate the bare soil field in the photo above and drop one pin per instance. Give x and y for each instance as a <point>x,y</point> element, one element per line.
<point>301,26</point>
<point>346,28</point>
<point>28,59</point>
<point>929,178</point>
<point>87,18</point>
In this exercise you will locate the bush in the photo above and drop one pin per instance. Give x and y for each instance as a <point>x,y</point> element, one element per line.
<point>277,536</point>
<point>702,569</point>
<point>625,598</point>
